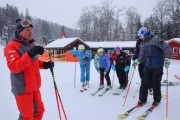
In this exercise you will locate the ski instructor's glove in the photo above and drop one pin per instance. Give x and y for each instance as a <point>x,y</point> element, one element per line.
<point>36,50</point>
<point>47,65</point>
<point>135,63</point>
<point>166,62</point>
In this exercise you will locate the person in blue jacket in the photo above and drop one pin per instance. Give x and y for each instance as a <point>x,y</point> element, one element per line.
<point>84,59</point>
<point>102,65</point>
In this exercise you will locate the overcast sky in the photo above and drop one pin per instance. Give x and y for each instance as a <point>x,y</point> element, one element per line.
<point>67,12</point>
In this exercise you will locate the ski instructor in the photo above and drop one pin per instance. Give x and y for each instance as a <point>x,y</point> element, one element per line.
<point>22,61</point>
<point>155,53</point>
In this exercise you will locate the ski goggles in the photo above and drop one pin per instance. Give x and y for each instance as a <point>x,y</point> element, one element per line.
<point>81,50</point>
<point>141,36</point>
<point>26,23</point>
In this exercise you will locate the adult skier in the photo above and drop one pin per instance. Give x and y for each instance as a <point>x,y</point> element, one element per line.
<point>138,49</point>
<point>120,62</point>
<point>22,60</point>
<point>84,59</point>
<point>155,53</point>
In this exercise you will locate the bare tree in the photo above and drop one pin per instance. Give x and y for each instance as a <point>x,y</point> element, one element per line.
<point>160,13</point>
<point>131,18</point>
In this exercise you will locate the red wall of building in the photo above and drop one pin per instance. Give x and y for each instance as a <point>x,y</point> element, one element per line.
<point>175,50</point>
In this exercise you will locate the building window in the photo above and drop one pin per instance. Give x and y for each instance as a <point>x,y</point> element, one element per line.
<point>127,51</point>
<point>175,50</point>
<point>110,52</point>
<point>90,51</point>
<point>74,48</point>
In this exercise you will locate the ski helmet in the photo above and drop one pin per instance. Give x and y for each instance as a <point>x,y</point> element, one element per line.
<point>81,48</point>
<point>143,32</point>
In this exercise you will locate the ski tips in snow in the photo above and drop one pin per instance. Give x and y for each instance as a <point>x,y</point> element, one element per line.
<point>123,116</point>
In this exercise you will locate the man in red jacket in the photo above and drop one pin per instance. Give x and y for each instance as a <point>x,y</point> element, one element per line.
<point>21,56</point>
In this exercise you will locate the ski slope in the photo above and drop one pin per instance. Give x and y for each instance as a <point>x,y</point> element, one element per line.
<point>83,106</point>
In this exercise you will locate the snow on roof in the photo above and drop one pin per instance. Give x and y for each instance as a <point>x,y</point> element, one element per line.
<point>110,44</point>
<point>107,44</point>
<point>176,39</point>
<point>61,42</point>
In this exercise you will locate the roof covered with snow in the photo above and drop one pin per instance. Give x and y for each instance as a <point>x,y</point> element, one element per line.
<point>110,44</point>
<point>60,43</point>
<point>174,40</point>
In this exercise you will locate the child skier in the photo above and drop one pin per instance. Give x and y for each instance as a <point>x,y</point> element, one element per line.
<point>120,62</point>
<point>102,65</point>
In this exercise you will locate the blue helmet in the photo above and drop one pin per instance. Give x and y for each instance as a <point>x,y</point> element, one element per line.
<point>143,32</point>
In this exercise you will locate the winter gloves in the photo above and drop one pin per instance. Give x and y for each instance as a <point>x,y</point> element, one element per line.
<point>47,65</point>
<point>36,50</point>
<point>85,59</point>
<point>126,69</point>
<point>166,62</point>
<point>113,67</point>
<point>136,62</point>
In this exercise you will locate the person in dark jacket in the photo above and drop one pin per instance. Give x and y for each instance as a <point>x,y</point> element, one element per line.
<point>155,53</point>
<point>22,61</point>
<point>120,62</point>
<point>138,49</point>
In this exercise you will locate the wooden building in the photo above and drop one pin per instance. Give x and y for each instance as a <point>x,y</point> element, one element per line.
<point>60,46</point>
<point>175,45</point>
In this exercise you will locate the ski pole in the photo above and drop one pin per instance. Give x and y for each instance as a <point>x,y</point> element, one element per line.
<point>113,78</point>
<point>75,76</point>
<point>129,76</point>
<point>56,90</point>
<point>87,72</point>
<point>129,86</point>
<point>136,90</point>
<point>167,93</point>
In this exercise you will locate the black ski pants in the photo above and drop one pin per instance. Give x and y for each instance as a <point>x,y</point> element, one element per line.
<point>153,75</point>
<point>102,70</point>
<point>122,77</point>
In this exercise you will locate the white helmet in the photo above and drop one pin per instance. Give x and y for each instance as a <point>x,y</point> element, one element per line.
<point>81,48</point>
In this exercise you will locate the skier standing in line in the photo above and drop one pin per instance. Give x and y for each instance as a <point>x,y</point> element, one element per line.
<point>84,59</point>
<point>102,65</point>
<point>139,44</point>
<point>155,53</point>
<point>120,62</point>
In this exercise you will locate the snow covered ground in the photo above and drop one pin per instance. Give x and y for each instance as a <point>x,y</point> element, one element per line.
<point>83,106</point>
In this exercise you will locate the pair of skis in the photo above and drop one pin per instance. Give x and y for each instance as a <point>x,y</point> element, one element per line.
<point>140,117</point>
<point>119,92</point>
<point>132,110</point>
<point>177,77</point>
<point>99,89</point>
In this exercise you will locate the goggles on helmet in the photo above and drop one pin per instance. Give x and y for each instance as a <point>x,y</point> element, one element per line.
<point>26,23</point>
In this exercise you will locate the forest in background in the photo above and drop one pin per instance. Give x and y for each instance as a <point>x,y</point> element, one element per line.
<point>104,22</point>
